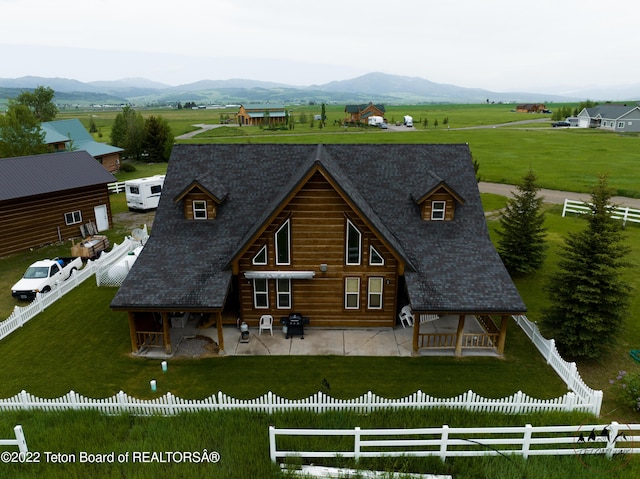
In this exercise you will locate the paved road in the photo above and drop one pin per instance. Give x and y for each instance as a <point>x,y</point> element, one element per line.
<point>554,196</point>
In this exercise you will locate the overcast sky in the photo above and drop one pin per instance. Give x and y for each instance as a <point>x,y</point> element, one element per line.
<point>499,45</point>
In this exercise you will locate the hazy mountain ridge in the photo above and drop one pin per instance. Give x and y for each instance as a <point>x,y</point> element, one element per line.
<point>376,86</point>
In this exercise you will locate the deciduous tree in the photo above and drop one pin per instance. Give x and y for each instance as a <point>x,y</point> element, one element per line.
<point>522,235</point>
<point>40,102</point>
<point>589,297</point>
<point>128,133</point>
<point>20,132</point>
<point>158,139</point>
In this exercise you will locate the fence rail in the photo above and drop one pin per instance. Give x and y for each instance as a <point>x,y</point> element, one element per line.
<point>20,442</point>
<point>117,187</point>
<point>623,213</point>
<point>445,441</point>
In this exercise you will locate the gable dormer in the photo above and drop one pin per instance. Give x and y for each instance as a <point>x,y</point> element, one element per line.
<point>438,200</point>
<point>201,198</point>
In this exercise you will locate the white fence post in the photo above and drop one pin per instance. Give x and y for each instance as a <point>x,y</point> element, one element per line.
<point>272,443</point>
<point>444,438</point>
<point>356,443</point>
<point>526,440</point>
<point>22,442</point>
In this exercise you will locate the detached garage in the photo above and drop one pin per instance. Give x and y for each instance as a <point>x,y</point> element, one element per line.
<point>46,198</point>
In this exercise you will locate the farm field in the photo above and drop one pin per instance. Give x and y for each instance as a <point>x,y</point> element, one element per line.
<point>60,337</point>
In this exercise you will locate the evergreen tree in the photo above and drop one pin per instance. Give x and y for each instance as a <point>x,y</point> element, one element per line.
<point>589,298</point>
<point>158,139</point>
<point>20,132</point>
<point>522,237</point>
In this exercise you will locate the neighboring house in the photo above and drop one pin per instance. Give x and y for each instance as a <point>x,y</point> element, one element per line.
<point>265,115</point>
<point>531,108</point>
<point>361,113</point>
<point>66,135</point>
<point>46,198</point>
<point>344,234</point>
<point>619,118</point>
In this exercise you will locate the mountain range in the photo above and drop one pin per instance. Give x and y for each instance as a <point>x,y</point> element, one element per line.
<point>376,87</point>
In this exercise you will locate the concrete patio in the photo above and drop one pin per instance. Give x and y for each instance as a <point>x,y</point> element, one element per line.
<point>189,341</point>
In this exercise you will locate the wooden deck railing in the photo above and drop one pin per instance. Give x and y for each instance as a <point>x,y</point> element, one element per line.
<point>448,340</point>
<point>150,339</point>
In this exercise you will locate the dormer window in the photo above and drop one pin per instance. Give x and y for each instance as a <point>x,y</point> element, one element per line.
<point>438,209</point>
<point>199,210</point>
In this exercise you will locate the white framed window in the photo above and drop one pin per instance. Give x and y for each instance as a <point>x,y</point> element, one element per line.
<point>352,293</point>
<point>621,124</point>
<point>199,209</point>
<point>375,258</point>
<point>260,293</point>
<point>283,244</point>
<point>438,210</point>
<point>73,217</point>
<point>375,293</point>
<point>283,293</point>
<point>261,257</point>
<point>354,244</point>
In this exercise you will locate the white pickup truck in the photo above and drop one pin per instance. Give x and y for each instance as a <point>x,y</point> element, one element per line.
<point>44,275</point>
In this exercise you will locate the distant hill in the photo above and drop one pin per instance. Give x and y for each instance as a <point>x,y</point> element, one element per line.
<point>377,87</point>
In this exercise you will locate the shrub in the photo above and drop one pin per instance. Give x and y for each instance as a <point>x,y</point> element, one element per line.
<point>629,391</point>
<point>127,167</point>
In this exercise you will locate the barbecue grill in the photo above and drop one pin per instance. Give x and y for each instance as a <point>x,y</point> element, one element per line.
<point>295,324</point>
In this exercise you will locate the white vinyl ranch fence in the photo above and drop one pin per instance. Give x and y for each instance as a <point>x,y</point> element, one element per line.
<point>22,315</point>
<point>445,441</point>
<point>619,212</point>
<point>20,442</point>
<point>117,187</point>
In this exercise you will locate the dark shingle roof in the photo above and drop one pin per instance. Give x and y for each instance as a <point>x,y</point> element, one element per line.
<point>452,265</point>
<point>25,176</point>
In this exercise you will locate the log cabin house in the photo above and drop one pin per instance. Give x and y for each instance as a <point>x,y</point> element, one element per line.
<point>261,115</point>
<point>46,198</point>
<point>360,113</point>
<point>65,135</point>
<point>531,108</point>
<point>343,234</point>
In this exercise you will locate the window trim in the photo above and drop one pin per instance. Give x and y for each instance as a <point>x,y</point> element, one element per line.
<point>73,217</point>
<point>288,294</point>
<point>286,224</point>
<point>262,293</point>
<point>435,212</point>
<point>370,293</point>
<point>266,257</point>
<point>348,293</point>
<point>347,261</point>
<point>374,252</point>
<point>199,209</point>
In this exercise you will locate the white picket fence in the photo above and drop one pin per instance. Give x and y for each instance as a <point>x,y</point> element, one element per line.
<point>623,213</point>
<point>590,399</point>
<point>20,442</point>
<point>443,442</point>
<point>22,315</point>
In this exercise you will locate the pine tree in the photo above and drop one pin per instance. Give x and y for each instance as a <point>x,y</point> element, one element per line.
<point>589,297</point>
<point>522,237</point>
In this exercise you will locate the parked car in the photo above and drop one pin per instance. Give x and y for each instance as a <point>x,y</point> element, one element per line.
<point>44,275</point>
<point>560,123</point>
<point>384,126</point>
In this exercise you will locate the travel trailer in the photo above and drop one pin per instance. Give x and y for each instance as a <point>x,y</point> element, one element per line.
<point>144,193</point>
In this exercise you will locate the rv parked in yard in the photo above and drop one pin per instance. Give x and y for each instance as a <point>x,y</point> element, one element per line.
<point>376,120</point>
<point>144,193</point>
<point>408,121</point>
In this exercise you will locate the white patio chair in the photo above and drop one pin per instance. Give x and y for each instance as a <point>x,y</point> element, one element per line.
<point>266,322</point>
<point>406,316</point>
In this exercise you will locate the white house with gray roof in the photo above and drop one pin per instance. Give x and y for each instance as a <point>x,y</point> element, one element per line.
<point>618,118</point>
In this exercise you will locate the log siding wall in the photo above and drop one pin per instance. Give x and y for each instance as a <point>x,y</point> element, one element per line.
<point>34,221</point>
<point>318,216</point>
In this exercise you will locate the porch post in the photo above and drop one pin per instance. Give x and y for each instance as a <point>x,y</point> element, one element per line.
<point>166,332</point>
<point>416,335</point>
<point>459,335</point>
<point>503,333</point>
<point>132,332</point>
<point>220,334</point>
